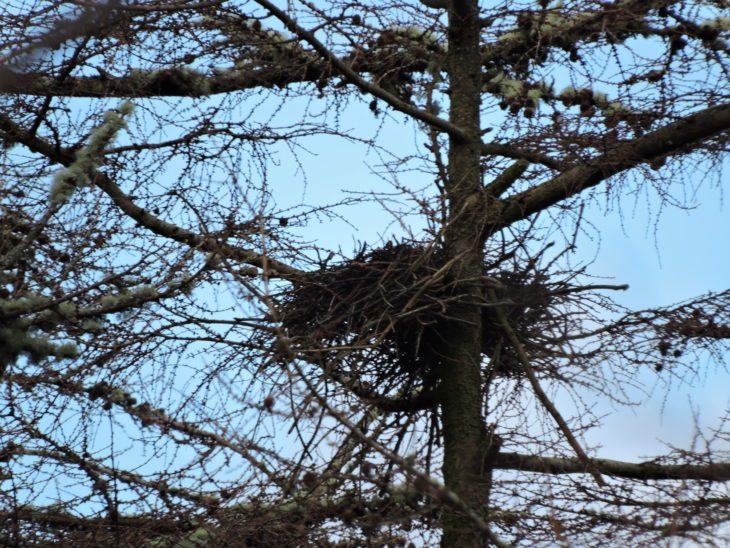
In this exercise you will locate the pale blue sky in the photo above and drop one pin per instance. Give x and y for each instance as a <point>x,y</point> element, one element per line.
<point>686,256</point>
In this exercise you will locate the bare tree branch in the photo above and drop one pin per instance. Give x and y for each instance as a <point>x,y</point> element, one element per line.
<point>670,139</point>
<point>650,470</point>
<point>144,217</point>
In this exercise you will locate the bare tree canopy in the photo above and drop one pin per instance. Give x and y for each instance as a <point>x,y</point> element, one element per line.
<point>193,354</point>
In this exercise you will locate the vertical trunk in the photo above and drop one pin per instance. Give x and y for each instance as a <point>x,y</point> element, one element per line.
<point>463,424</point>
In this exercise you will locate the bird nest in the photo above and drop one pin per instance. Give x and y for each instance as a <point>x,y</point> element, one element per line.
<point>377,317</point>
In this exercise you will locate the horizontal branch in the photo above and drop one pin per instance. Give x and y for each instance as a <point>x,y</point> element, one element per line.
<point>310,66</point>
<point>403,503</point>
<point>641,470</point>
<point>57,519</point>
<point>169,82</point>
<point>620,18</point>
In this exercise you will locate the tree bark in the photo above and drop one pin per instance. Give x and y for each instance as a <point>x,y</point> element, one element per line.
<point>465,439</point>
<point>650,470</point>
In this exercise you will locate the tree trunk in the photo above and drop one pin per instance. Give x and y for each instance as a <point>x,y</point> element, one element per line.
<point>464,430</point>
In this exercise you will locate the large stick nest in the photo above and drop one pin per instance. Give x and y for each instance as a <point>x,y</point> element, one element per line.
<point>377,316</point>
